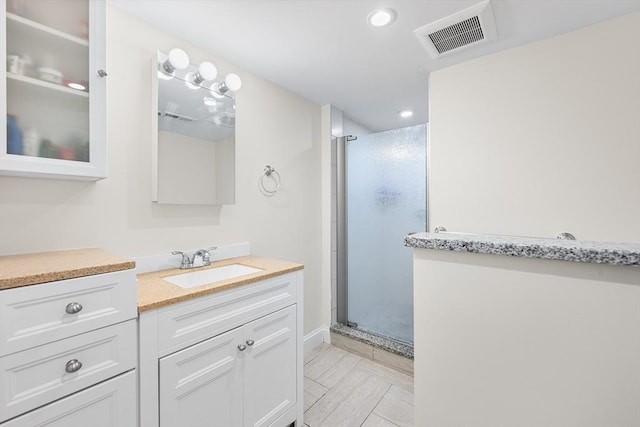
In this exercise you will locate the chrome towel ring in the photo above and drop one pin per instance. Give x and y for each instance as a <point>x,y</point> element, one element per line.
<point>269,174</point>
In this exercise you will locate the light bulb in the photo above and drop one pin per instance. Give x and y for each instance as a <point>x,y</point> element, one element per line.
<point>232,82</point>
<point>178,60</point>
<point>405,113</point>
<point>207,71</point>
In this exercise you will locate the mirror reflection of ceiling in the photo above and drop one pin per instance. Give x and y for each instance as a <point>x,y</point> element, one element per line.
<point>196,113</point>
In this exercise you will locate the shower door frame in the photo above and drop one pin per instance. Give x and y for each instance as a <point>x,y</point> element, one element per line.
<point>342,286</point>
<point>341,207</point>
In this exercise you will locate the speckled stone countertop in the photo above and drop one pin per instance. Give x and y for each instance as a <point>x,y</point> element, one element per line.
<point>43,267</point>
<point>154,292</point>
<point>531,247</point>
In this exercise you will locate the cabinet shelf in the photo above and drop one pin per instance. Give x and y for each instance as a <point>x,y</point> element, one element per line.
<point>46,85</point>
<point>48,47</point>
<point>45,29</point>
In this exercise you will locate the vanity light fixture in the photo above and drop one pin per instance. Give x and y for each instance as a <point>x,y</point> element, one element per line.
<point>206,72</point>
<point>178,60</point>
<point>405,114</point>
<point>381,17</point>
<point>231,83</point>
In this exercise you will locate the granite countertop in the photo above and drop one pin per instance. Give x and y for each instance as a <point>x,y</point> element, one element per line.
<point>35,268</point>
<point>154,292</point>
<point>531,247</point>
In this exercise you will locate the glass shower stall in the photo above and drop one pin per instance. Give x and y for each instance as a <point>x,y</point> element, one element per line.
<point>381,197</point>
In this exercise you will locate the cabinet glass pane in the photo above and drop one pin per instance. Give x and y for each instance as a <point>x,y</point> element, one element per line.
<point>47,78</point>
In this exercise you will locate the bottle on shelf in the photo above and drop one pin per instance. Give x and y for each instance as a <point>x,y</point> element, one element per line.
<point>14,135</point>
<point>47,149</point>
<point>31,142</point>
<point>14,64</point>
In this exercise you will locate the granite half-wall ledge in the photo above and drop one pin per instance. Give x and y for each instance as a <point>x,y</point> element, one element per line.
<point>531,247</point>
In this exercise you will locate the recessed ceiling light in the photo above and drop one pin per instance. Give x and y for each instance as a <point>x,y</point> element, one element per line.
<point>405,113</point>
<point>381,17</point>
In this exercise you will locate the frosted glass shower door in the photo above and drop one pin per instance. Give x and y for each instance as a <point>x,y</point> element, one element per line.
<point>386,200</point>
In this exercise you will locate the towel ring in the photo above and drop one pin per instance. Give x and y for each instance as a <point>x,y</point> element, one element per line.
<point>272,173</point>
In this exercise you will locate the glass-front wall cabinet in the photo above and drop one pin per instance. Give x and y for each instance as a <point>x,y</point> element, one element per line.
<point>55,81</point>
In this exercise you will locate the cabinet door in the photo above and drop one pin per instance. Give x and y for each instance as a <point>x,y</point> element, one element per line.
<point>270,367</point>
<point>53,93</point>
<point>202,384</point>
<point>108,404</point>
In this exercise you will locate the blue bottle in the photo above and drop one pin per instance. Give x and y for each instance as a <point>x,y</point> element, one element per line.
<point>14,135</point>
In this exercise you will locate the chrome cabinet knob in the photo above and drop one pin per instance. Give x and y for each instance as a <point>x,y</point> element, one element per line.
<point>250,342</point>
<point>73,308</point>
<point>242,347</point>
<point>73,365</point>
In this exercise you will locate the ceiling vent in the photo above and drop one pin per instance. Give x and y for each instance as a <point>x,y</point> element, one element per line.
<point>466,28</point>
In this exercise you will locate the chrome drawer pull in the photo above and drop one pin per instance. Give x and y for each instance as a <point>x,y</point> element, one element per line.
<point>250,342</point>
<point>73,365</point>
<point>242,347</point>
<point>73,308</point>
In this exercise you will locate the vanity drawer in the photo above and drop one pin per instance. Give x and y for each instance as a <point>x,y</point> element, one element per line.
<point>108,404</point>
<point>37,376</point>
<point>34,315</point>
<point>190,322</point>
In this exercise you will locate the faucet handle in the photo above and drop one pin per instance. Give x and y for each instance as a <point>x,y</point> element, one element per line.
<point>186,262</point>
<point>206,255</point>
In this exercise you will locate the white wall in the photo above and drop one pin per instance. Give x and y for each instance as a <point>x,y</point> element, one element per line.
<point>518,342</point>
<point>349,127</point>
<point>273,127</point>
<point>541,138</point>
<point>532,141</point>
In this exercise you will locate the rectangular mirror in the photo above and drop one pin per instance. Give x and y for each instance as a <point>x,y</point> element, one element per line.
<point>193,138</point>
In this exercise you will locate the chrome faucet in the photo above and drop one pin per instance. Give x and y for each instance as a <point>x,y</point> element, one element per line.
<point>187,262</point>
<point>204,254</point>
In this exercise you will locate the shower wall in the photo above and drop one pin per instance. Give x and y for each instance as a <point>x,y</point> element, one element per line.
<point>386,200</point>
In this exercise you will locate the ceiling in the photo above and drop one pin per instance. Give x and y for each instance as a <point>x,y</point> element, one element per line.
<point>325,51</point>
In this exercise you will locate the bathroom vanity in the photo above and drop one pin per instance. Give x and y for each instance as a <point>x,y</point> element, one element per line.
<point>68,344</point>
<point>80,339</point>
<point>517,331</point>
<point>230,352</point>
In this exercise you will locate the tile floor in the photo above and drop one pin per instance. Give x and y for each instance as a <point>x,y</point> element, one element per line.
<point>342,389</point>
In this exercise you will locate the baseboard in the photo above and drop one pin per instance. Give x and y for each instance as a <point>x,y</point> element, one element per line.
<point>317,337</point>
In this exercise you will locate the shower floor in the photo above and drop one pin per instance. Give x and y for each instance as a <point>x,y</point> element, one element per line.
<point>392,353</point>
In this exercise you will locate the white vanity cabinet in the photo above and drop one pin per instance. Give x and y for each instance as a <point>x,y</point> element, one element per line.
<point>53,89</point>
<point>229,359</point>
<point>68,352</point>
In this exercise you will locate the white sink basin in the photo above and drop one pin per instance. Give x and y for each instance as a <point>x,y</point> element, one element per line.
<point>212,275</point>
